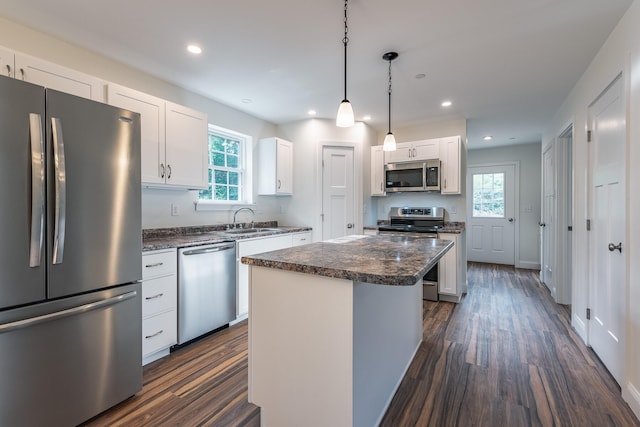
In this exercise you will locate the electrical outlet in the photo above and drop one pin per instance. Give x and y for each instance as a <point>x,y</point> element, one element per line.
<point>175,209</point>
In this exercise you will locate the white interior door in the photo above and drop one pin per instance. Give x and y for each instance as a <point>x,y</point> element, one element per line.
<point>607,236</point>
<point>491,214</point>
<point>338,204</point>
<point>548,206</point>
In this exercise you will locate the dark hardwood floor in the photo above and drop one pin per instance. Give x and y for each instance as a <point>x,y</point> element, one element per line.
<point>505,356</point>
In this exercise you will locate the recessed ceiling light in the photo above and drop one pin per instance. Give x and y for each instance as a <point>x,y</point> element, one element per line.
<point>312,112</point>
<point>446,103</point>
<point>488,138</point>
<point>196,50</point>
<point>246,100</point>
<point>421,76</point>
<point>366,118</point>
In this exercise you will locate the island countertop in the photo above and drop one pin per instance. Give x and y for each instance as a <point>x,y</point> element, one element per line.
<point>382,259</point>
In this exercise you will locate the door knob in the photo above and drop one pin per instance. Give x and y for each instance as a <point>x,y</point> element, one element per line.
<point>613,247</point>
<point>349,225</point>
<point>511,219</point>
<point>542,224</point>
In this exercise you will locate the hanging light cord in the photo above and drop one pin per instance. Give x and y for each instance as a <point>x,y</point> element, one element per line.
<point>345,41</point>
<point>390,95</point>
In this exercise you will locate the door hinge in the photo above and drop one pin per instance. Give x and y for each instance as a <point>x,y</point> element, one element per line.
<point>322,216</point>
<point>569,228</point>
<point>588,225</point>
<point>588,136</point>
<point>322,162</point>
<point>588,314</point>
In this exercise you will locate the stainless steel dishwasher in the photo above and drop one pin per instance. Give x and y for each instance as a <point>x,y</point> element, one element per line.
<point>206,289</point>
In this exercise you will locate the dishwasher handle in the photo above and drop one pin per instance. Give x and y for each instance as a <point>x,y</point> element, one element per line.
<point>210,249</point>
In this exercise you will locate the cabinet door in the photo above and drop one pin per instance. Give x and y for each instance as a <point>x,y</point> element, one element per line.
<point>377,171</point>
<point>151,111</point>
<point>300,239</point>
<point>54,76</point>
<point>284,167</point>
<point>402,153</point>
<point>186,147</point>
<point>7,62</point>
<point>426,150</point>
<point>450,163</point>
<point>447,273</point>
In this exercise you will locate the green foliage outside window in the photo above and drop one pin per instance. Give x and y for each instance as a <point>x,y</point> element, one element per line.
<point>225,168</point>
<point>488,195</point>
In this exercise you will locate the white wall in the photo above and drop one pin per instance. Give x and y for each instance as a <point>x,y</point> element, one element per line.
<point>156,204</point>
<point>454,205</point>
<point>528,156</point>
<point>620,53</point>
<point>304,207</point>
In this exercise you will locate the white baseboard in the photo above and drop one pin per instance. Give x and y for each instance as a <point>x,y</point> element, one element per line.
<point>529,265</point>
<point>579,326</point>
<point>632,396</point>
<point>239,319</point>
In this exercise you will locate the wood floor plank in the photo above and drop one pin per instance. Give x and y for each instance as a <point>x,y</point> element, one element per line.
<point>506,355</point>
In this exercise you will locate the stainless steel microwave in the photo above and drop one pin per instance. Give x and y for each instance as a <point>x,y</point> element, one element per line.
<point>413,176</point>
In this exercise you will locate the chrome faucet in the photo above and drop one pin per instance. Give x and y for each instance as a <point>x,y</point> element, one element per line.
<point>236,213</point>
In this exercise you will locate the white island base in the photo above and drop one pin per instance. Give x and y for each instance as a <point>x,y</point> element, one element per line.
<point>328,352</point>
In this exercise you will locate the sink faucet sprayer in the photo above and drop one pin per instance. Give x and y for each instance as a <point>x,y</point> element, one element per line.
<point>238,210</point>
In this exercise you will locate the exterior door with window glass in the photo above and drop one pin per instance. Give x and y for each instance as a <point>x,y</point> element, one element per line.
<point>491,214</point>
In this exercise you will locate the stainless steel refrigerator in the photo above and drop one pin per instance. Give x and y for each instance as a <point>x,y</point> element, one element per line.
<point>70,256</point>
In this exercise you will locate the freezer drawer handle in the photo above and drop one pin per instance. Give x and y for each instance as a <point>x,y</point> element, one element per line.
<point>154,297</point>
<point>208,250</point>
<point>61,191</point>
<point>153,335</point>
<point>37,189</point>
<point>33,321</point>
<point>157,264</point>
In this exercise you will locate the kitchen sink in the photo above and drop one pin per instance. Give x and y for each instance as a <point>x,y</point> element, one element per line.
<point>249,230</point>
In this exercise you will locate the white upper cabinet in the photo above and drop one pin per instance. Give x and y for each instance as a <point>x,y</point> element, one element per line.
<point>54,76</point>
<point>151,111</point>
<point>186,147</point>
<point>414,151</point>
<point>7,62</point>
<point>377,171</point>
<point>275,167</point>
<point>450,158</point>
<point>174,139</point>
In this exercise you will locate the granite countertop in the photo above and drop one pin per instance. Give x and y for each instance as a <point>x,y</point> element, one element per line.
<point>385,260</point>
<point>181,237</point>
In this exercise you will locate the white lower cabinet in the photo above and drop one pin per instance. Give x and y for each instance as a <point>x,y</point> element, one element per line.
<point>452,274</point>
<point>255,246</point>
<point>159,303</point>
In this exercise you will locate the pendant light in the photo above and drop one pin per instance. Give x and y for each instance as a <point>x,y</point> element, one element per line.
<point>345,111</point>
<point>389,140</point>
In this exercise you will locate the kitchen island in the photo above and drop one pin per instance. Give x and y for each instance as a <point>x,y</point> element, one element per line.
<point>333,327</point>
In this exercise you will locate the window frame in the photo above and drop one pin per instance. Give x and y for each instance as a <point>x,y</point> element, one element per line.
<point>245,169</point>
<point>472,195</point>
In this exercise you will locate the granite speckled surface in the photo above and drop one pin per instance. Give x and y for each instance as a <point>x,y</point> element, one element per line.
<point>182,237</point>
<point>385,260</point>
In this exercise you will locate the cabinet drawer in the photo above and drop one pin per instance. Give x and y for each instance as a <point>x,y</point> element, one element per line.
<point>250,247</point>
<point>159,295</point>
<point>301,239</point>
<point>159,332</point>
<point>158,263</point>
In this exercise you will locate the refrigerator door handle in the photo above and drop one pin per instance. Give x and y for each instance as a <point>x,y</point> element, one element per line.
<point>33,321</point>
<point>60,191</point>
<point>37,189</point>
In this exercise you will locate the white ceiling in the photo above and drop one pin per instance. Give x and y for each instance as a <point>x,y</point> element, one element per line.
<point>506,64</point>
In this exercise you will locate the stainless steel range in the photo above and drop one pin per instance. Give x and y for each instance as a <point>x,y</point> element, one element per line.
<point>418,222</point>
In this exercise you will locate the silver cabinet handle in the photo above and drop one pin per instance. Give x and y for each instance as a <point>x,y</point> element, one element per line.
<point>279,184</point>
<point>613,247</point>
<point>349,225</point>
<point>60,191</point>
<point>157,264</point>
<point>22,73</point>
<point>37,189</point>
<point>161,170</point>
<point>154,335</point>
<point>409,152</point>
<point>154,297</point>
<point>33,321</point>
<point>168,171</point>
<point>8,70</point>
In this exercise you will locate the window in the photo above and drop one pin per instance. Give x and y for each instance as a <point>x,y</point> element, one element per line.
<point>228,171</point>
<point>488,195</point>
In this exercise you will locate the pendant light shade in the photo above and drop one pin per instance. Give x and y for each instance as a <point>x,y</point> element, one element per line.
<point>345,111</point>
<point>389,140</point>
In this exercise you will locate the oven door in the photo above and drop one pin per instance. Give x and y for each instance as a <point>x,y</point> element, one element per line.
<point>405,176</point>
